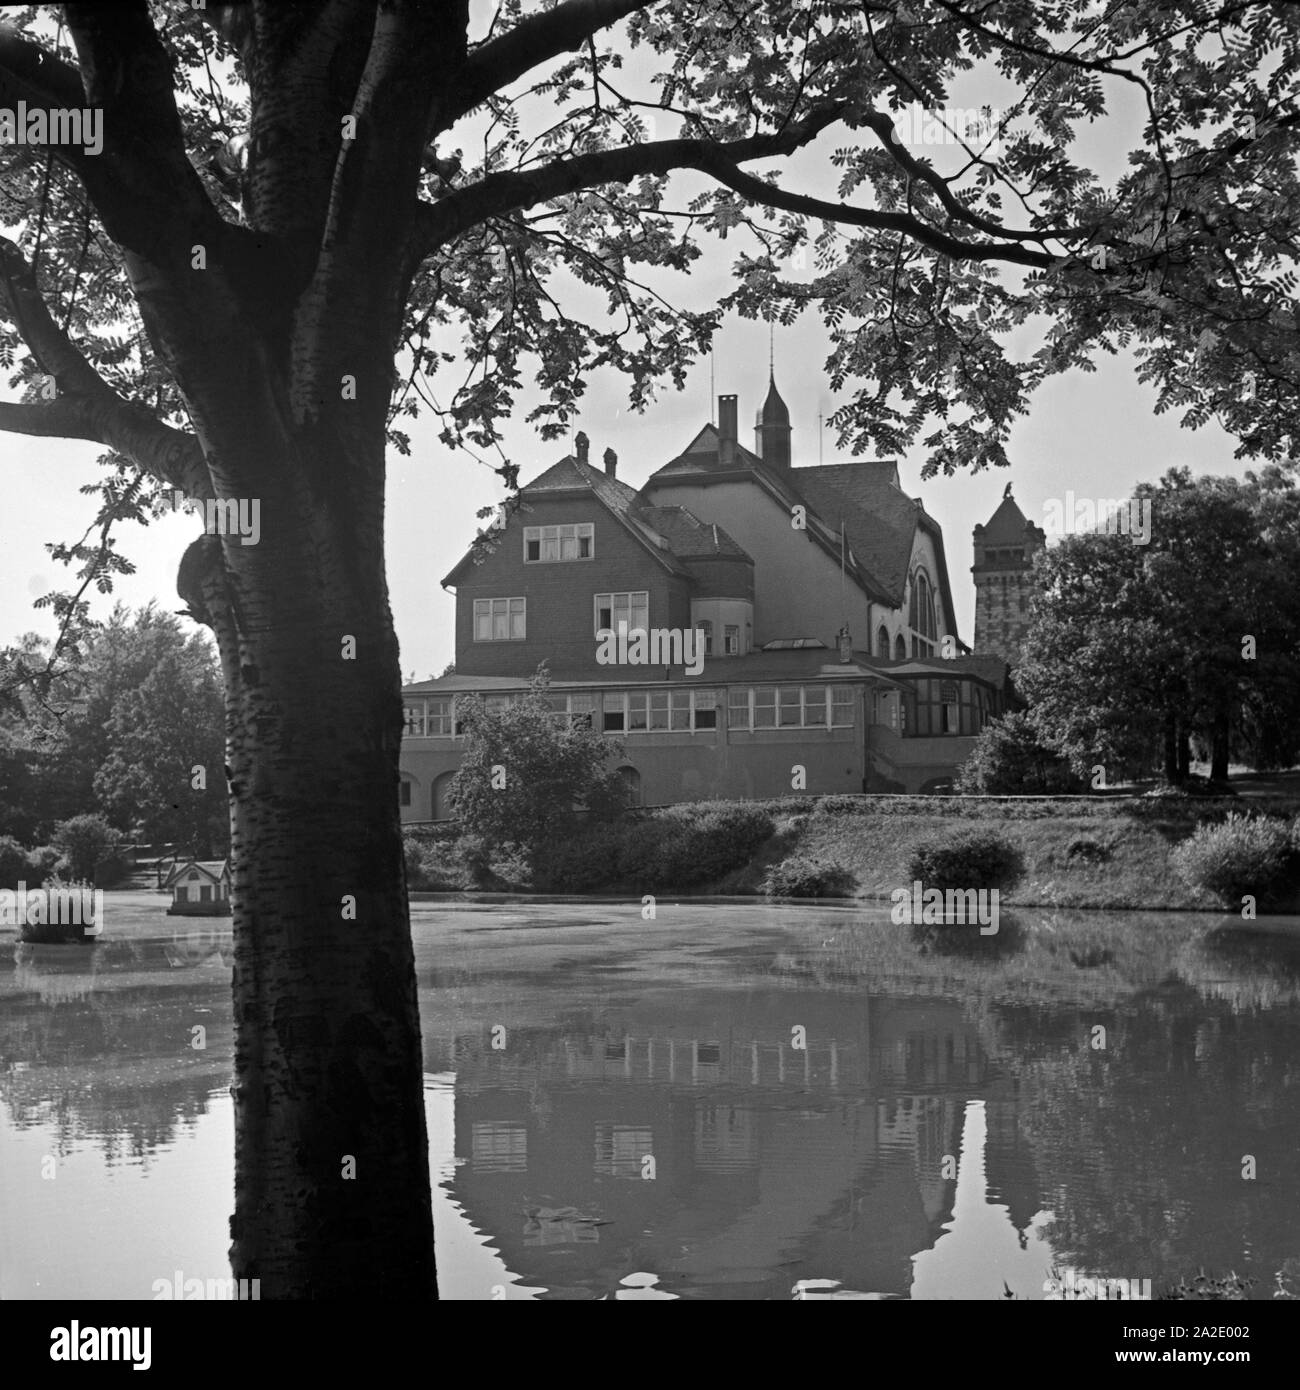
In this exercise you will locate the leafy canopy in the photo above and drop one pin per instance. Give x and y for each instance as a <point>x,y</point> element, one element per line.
<point>512,193</point>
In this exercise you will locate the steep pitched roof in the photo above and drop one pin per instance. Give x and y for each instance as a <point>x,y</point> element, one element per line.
<point>880,520</point>
<point>774,411</point>
<point>670,534</point>
<point>1008,523</point>
<point>213,868</point>
<point>703,461</point>
<point>689,537</point>
<point>704,454</point>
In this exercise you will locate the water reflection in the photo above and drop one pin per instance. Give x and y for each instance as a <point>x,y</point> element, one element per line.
<point>736,1102</point>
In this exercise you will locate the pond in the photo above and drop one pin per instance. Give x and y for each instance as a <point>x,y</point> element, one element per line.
<point>732,1101</point>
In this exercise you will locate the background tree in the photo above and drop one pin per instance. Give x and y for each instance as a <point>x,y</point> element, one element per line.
<point>223,297</point>
<point>136,705</point>
<point>1134,649</point>
<point>165,776</point>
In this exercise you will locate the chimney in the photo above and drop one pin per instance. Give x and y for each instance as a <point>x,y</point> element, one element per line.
<point>611,463</point>
<point>582,444</point>
<point>728,428</point>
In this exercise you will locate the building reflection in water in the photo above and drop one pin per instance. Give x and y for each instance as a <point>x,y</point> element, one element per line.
<point>735,1161</point>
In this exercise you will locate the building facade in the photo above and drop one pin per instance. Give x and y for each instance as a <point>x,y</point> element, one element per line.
<point>828,658</point>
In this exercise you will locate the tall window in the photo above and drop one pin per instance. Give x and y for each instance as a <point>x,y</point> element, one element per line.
<point>732,634</point>
<point>882,642</point>
<point>900,648</point>
<point>632,609</point>
<point>706,627</point>
<point>499,619</point>
<point>440,722</point>
<point>414,719</point>
<point>575,542</point>
<point>922,615</point>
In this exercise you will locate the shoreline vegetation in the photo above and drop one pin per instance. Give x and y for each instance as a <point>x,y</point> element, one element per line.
<point>1113,852</point>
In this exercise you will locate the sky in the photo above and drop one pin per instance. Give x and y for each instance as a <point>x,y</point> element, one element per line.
<point>1095,434</point>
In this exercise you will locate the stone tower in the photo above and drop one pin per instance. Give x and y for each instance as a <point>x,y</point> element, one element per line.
<point>1004,558</point>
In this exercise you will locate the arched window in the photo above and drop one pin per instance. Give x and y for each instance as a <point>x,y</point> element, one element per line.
<point>921,615</point>
<point>882,642</point>
<point>900,648</point>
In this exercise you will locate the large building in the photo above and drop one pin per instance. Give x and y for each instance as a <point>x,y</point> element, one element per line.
<point>830,657</point>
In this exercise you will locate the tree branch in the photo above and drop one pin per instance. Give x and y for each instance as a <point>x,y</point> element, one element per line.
<point>508,192</point>
<point>925,173</point>
<point>147,194</point>
<point>498,62</point>
<point>365,260</point>
<point>86,406</point>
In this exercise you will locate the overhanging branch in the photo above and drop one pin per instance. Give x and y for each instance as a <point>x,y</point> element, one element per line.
<point>501,61</point>
<point>512,191</point>
<point>85,406</point>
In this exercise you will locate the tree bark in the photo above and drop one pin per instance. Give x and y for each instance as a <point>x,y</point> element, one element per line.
<point>332,1192</point>
<point>1171,749</point>
<point>1219,744</point>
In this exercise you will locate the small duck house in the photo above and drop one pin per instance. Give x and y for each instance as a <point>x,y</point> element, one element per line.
<point>200,888</point>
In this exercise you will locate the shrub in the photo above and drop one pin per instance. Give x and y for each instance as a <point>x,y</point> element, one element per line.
<point>1239,857</point>
<point>431,866</point>
<point>704,842</point>
<point>1089,851</point>
<point>680,848</point>
<point>797,877</point>
<point>43,861</point>
<point>967,859</point>
<point>1009,760</point>
<point>590,861</point>
<point>87,842</point>
<point>13,862</point>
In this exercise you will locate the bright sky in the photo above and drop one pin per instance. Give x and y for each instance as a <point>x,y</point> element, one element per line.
<point>1094,434</point>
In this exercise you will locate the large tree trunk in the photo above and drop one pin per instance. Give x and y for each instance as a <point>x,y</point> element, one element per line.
<point>331,1159</point>
<point>1171,749</point>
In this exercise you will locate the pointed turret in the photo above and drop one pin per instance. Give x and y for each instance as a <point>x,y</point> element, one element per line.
<point>772,429</point>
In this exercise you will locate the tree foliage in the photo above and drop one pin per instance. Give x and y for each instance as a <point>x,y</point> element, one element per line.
<point>541,221</point>
<point>1009,759</point>
<point>528,775</point>
<point>136,706</point>
<point>1134,647</point>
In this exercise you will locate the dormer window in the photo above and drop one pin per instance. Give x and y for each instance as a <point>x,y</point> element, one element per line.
<point>552,543</point>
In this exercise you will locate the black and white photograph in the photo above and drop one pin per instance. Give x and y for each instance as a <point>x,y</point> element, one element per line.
<point>650,651</point>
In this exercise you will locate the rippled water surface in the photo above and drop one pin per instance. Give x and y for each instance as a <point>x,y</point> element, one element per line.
<point>732,1101</point>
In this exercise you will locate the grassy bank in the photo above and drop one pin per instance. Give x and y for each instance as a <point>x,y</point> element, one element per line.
<point>1086,852</point>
